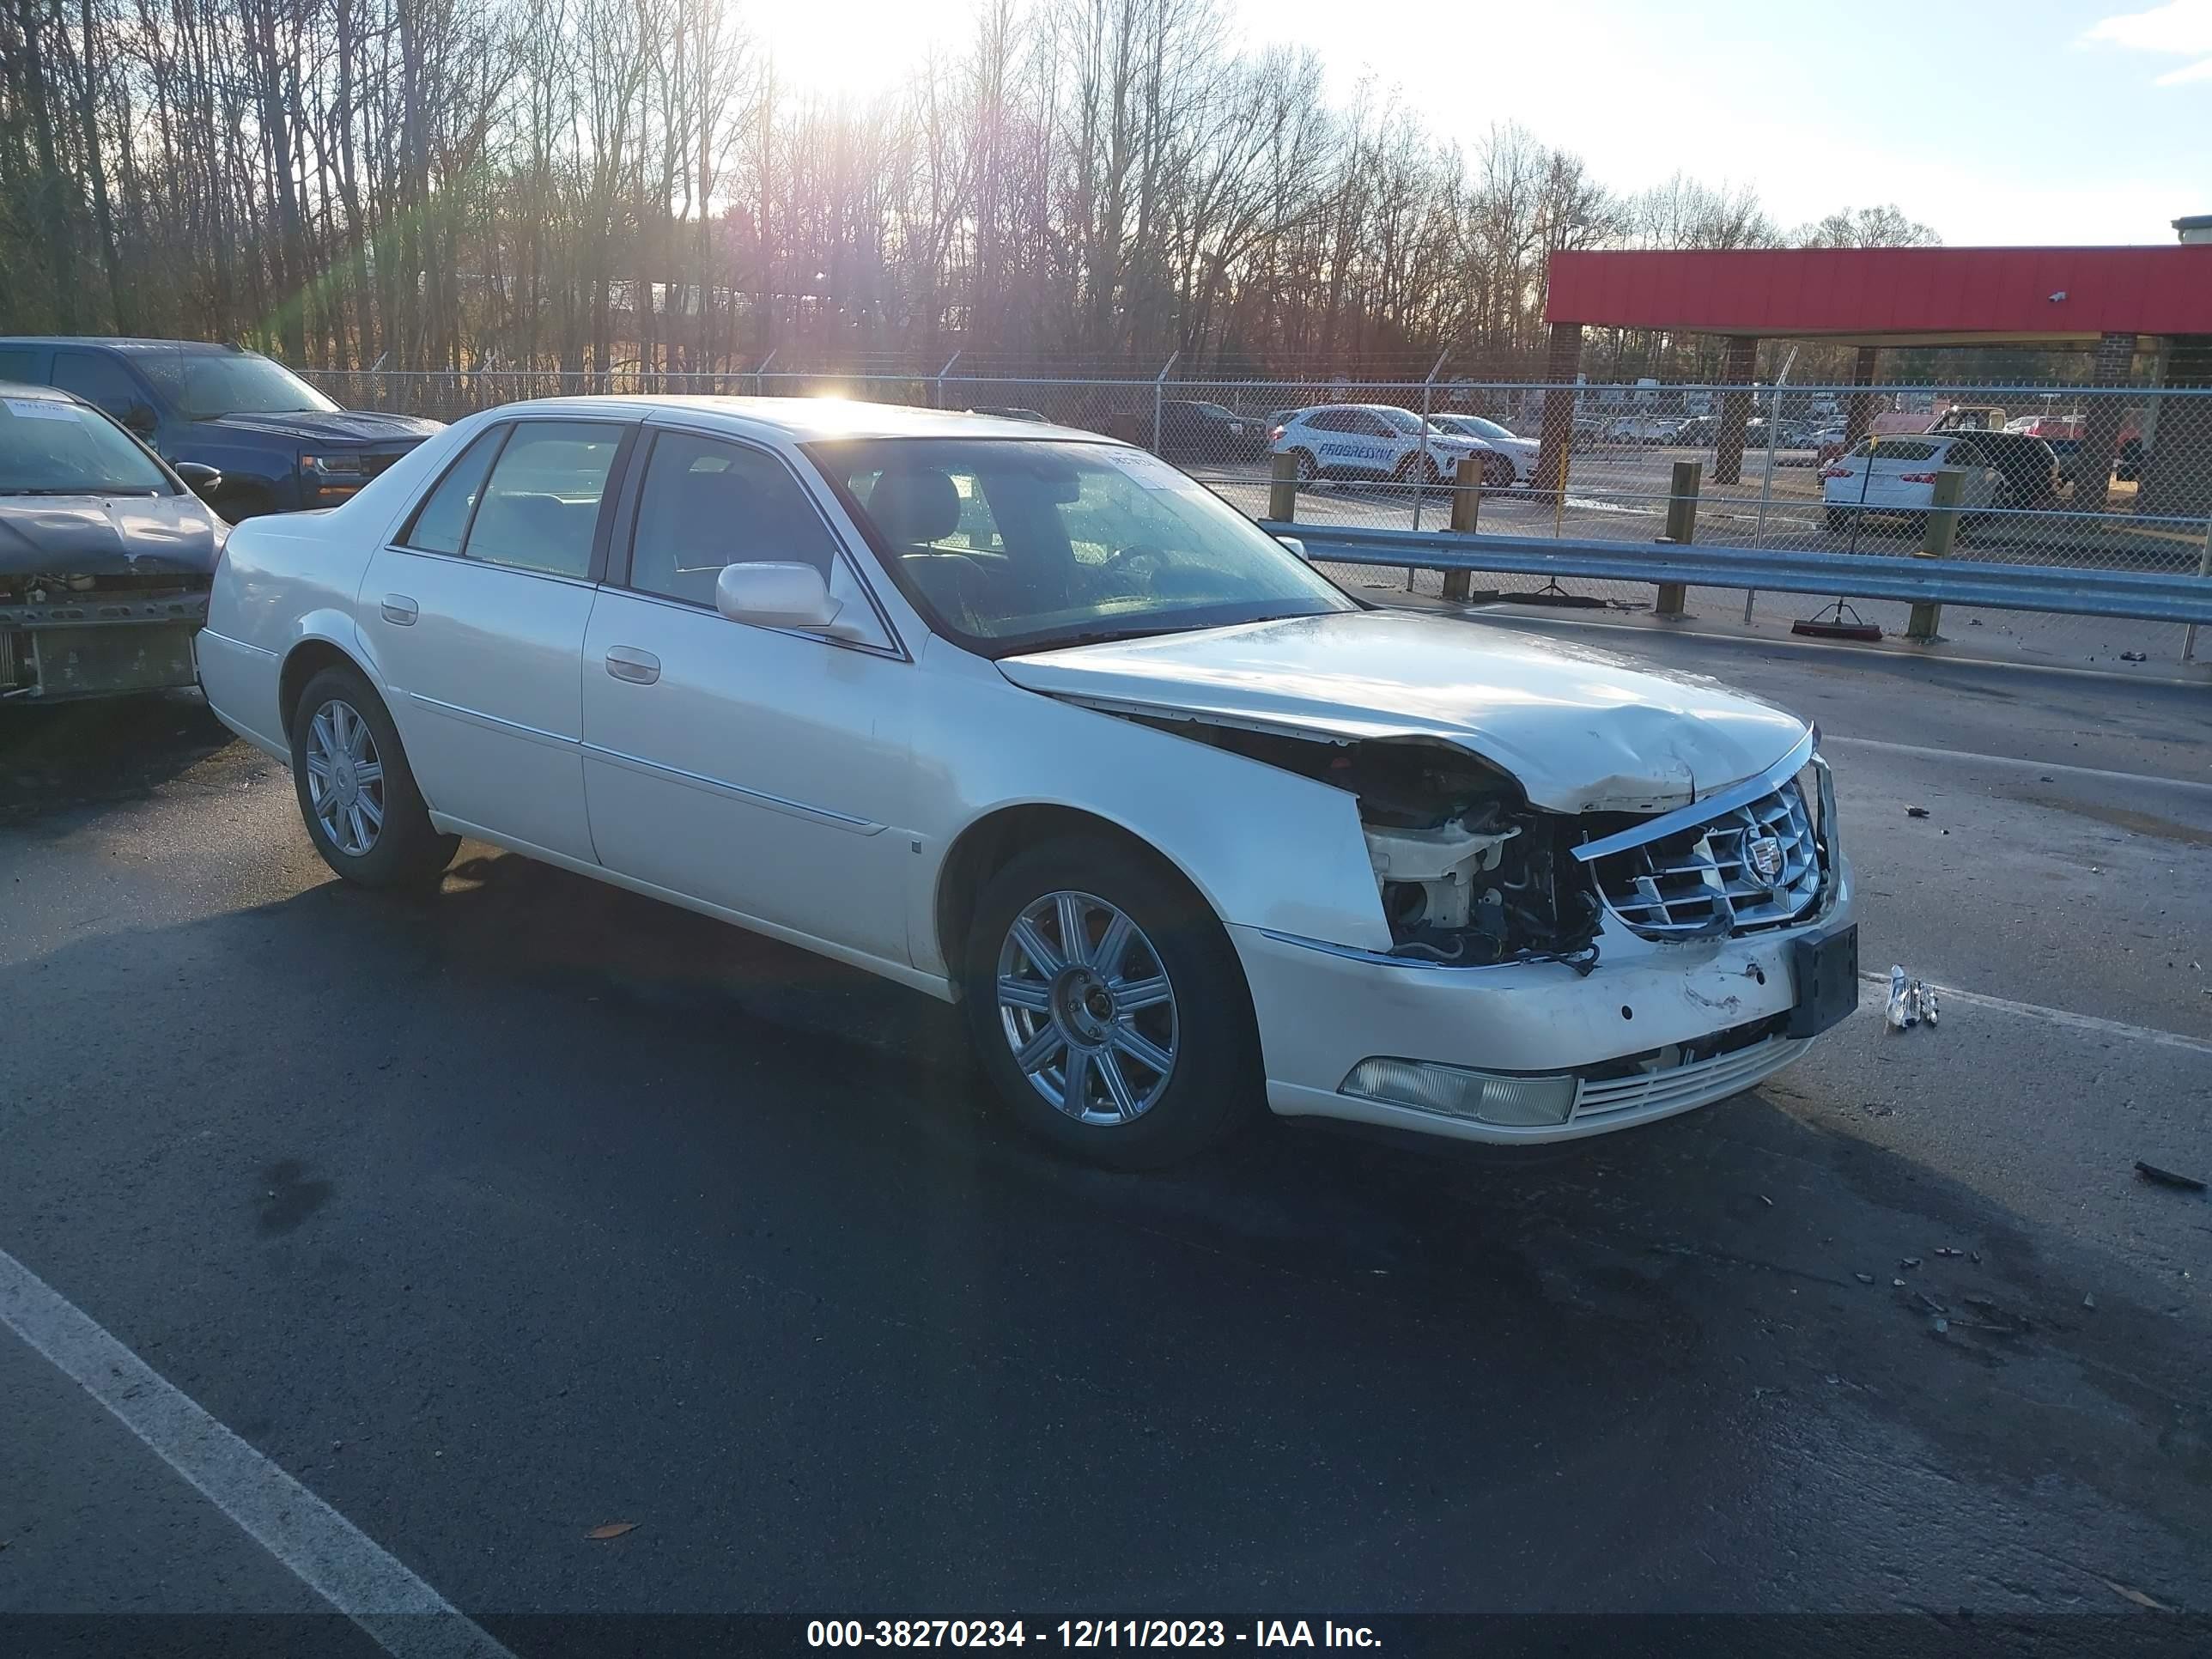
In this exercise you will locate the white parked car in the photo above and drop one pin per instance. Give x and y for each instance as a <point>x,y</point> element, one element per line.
<point>1519,452</point>
<point>1640,429</point>
<point>1379,441</point>
<point>1025,719</point>
<point>1897,476</point>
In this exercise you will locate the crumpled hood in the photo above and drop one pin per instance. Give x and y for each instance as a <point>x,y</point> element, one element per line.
<point>108,535</point>
<point>335,426</point>
<point>1583,730</point>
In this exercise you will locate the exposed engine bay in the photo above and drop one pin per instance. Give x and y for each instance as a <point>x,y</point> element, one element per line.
<point>1469,873</point>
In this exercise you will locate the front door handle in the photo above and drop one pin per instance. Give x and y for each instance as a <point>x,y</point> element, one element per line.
<point>638,667</point>
<point>400,610</point>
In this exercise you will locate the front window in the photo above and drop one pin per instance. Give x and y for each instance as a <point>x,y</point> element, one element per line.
<point>203,385</point>
<point>1403,420</point>
<point>49,448</point>
<point>1478,426</point>
<point>1008,545</point>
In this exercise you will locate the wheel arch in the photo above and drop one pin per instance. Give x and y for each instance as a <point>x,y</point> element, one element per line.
<point>307,658</point>
<point>986,845</point>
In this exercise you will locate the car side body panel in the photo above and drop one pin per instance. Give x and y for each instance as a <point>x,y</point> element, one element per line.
<point>1292,858</point>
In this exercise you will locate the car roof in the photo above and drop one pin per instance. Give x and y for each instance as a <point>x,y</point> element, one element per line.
<point>127,343</point>
<point>804,420</point>
<point>52,394</point>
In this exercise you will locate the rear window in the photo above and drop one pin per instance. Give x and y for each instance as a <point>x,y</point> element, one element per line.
<point>1897,449</point>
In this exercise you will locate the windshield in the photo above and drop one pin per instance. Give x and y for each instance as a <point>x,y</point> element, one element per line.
<point>1009,544</point>
<point>1481,427</point>
<point>205,384</point>
<point>49,448</point>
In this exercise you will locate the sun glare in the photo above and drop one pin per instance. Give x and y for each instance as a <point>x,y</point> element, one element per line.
<point>854,48</point>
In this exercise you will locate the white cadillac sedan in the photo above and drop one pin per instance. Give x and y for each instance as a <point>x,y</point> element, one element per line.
<point>1027,720</point>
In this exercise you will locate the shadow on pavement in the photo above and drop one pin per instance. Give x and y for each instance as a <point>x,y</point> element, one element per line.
<point>57,757</point>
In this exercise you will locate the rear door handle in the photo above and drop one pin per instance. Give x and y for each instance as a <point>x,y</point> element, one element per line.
<point>400,610</point>
<point>638,667</point>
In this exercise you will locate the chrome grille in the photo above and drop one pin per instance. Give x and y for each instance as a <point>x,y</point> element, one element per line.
<point>1704,881</point>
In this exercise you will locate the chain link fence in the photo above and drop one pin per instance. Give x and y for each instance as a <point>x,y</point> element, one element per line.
<point>2088,477</point>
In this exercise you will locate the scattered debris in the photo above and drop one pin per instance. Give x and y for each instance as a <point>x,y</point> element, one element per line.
<point>2089,1300</point>
<point>1945,1249</point>
<point>1863,1278</point>
<point>1916,811</point>
<point>2151,1172</point>
<point>2002,1321</point>
<point>2151,1603</point>
<point>611,1530</point>
<point>1912,1001</point>
<point>1769,1202</point>
<point>1896,1284</point>
<point>1974,1257</point>
<point>2133,656</point>
<point>2046,778</point>
<point>1942,1326</point>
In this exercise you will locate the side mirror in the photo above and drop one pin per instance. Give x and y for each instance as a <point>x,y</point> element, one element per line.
<point>1295,545</point>
<point>140,418</point>
<point>781,595</point>
<point>203,480</point>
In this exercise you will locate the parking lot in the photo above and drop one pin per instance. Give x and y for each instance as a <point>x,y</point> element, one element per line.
<point>535,1207</point>
<point>1620,493</point>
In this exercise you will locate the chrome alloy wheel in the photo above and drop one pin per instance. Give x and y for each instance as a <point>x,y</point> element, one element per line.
<point>1087,1008</point>
<point>345,777</point>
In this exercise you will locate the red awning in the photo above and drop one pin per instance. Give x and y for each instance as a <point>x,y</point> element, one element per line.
<point>1892,295</point>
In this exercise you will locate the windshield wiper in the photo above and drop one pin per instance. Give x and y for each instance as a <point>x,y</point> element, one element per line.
<point>1100,636</point>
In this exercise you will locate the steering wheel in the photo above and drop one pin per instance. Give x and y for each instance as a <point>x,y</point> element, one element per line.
<point>1121,556</point>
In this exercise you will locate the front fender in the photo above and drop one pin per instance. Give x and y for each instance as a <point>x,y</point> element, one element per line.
<point>1263,847</point>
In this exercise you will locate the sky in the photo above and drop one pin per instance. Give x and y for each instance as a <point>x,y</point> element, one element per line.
<point>2023,121</point>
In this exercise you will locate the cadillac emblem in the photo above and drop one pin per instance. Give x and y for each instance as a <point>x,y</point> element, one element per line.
<point>1763,857</point>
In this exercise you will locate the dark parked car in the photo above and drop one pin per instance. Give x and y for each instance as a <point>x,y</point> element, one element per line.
<point>106,553</point>
<point>1194,431</point>
<point>279,444</point>
<point>2032,473</point>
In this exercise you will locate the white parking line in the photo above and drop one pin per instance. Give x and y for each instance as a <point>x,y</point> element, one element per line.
<point>1921,751</point>
<point>334,1558</point>
<point>1875,989</point>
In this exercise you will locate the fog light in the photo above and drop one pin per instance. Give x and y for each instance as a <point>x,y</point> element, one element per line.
<point>1523,1103</point>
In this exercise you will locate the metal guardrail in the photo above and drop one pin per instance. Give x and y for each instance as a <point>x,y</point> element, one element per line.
<point>2140,595</point>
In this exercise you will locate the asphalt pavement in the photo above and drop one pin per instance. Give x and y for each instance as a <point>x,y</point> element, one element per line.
<point>535,1207</point>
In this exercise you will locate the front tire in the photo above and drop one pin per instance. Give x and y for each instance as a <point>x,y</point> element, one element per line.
<point>357,796</point>
<point>1107,1006</point>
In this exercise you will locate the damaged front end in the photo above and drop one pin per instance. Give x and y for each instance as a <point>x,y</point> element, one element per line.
<point>65,637</point>
<point>1469,872</point>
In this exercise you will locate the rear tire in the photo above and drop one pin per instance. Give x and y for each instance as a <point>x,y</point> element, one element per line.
<point>356,795</point>
<point>1153,1023</point>
<point>1309,469</point>
<point>1841,518</point>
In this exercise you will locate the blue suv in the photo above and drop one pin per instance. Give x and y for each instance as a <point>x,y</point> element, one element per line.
<point>279,444</point>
